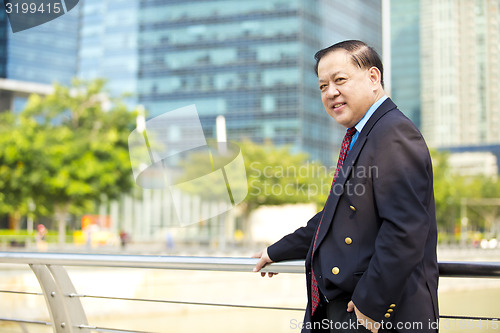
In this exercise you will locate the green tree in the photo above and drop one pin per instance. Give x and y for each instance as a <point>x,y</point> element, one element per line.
<point>76,153</point>
<point>450,188</point>
<point>277,176</point>
<point>21,154</point>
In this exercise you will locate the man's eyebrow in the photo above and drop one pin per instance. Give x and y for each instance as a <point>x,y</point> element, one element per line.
<point>331,75</point>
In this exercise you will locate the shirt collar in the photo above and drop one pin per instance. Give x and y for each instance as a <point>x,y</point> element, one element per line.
<point>359,126</point>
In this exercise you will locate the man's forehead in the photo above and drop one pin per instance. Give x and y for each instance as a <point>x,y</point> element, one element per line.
<point>335,62</point>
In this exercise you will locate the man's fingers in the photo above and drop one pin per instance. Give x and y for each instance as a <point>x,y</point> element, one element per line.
<point>261,263</point>
<point>364,320</point>
<point>350,306</point>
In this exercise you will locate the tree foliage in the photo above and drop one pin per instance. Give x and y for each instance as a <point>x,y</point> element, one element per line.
<point>450,188</point>
<point>277,176</point>
<point>65,151</point>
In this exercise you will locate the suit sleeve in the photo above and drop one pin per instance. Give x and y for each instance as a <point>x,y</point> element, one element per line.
<point>295,245</point>
<point>402,191</point>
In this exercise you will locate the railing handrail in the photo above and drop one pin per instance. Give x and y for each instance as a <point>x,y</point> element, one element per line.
<point>67,312</point>
<point>231,264</point>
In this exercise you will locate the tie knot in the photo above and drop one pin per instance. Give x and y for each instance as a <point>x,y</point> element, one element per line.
<point>350,132</point>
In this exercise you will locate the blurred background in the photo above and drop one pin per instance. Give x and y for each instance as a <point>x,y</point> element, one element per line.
<point>74,88</point>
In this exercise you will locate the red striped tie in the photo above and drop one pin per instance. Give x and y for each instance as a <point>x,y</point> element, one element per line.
<point>343,153</point>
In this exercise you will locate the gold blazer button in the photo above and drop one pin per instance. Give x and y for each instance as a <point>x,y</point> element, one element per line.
<point>352,208</point>
<point>335,270</point>
<point>348,240</point>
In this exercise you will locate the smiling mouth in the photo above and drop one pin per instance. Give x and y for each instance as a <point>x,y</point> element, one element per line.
<point>338,105</point>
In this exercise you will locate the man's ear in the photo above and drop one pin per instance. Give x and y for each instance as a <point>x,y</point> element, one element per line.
<point>375,75</point>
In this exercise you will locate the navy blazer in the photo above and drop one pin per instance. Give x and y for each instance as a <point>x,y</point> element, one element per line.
<point>378,235</point>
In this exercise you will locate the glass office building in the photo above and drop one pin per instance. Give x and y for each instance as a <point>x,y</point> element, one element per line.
<point>108,44</point>
<point>42,54</point>
<point>461,68</point>
<point>405,57</point>
<point>3,43</point>
<point>251,61</point>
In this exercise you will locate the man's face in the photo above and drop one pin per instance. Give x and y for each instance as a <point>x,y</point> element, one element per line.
<point>347,91</point>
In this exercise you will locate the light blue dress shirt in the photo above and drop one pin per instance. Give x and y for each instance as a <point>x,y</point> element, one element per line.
<point>359,126</point>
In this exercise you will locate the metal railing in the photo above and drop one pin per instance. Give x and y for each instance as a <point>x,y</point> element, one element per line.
<point>68,315</point>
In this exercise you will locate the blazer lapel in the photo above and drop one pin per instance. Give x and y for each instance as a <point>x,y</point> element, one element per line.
<point>346,169</point>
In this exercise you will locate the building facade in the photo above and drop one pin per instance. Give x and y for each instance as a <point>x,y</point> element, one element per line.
<point>44,54</point>
<point>405,57</point>
<point>108,45</point>
<point>251,61</point>
<point>460,61</point>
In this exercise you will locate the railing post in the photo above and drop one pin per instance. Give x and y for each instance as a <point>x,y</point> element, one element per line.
<point>66,311</point>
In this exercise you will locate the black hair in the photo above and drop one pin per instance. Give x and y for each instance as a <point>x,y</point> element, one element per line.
<point>362,55</point>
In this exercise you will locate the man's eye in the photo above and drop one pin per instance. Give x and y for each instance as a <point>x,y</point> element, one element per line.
<point>323,86</point>
<point>340,79</point>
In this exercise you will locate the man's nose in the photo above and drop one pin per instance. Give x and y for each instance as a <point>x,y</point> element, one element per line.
<point>332,91</point>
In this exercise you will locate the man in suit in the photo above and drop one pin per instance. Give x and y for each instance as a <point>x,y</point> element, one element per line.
<point>371,252</point>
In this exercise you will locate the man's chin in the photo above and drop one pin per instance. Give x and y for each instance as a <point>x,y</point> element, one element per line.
<point>341,119</point>
<point>344,123</point>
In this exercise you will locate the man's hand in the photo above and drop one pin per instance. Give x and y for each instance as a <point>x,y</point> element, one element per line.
<point>367,322</point>
<point>263,261</point>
